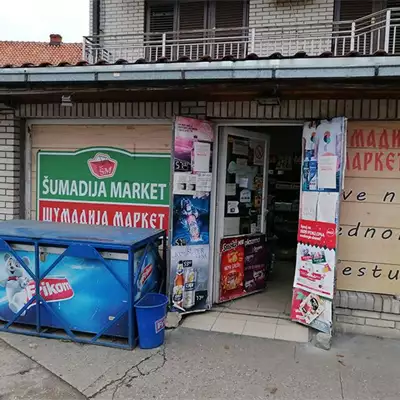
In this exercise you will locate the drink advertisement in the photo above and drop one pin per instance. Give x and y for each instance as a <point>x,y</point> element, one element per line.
<point>190,222</point>
<point>254,263</point>
<point>324,147</point>
<point>232,268</point>
<point>104,186</point>
<point>82,294</point>
<point>190,270</point>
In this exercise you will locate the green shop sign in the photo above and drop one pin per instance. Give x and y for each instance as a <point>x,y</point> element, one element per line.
<point>104,186</point>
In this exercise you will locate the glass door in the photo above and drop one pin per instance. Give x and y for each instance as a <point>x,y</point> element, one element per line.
<point>240,253</point>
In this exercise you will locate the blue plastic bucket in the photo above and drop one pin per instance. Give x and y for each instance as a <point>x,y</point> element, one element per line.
<point>151,312</point>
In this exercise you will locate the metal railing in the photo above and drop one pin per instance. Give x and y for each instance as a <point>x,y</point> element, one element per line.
<point>378,31</point>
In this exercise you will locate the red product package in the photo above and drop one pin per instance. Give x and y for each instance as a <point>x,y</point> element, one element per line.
<point>232,268</point>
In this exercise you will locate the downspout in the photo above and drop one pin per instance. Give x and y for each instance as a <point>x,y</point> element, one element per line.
<point>96,18</point>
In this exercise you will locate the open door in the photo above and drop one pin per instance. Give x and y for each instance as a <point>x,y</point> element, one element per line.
<point>239,245</point>
<point>323,165</point>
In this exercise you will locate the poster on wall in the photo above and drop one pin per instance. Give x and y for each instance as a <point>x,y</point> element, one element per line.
<point>323,159</point>
<point>104,186</point>
<point>190,222</point>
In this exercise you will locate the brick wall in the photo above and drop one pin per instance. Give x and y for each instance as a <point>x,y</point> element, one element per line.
<point>122,17</point>
<point>9,165</point>
<point>292,25</point>
<point>367,314</point>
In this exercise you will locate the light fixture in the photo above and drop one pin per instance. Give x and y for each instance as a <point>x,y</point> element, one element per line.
<point>66,101</point>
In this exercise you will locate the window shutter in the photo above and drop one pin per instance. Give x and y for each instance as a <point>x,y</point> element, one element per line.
<point>228,15</point>
<point>160,19</point>
<point>192,16</point>
<point>354,9</point>
<point>351,10</point>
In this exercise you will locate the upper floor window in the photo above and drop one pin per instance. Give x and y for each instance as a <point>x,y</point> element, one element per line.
<point>196,27</point>
<point>179,15</point>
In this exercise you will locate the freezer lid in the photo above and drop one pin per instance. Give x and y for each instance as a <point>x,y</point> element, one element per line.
<point>107,235</point>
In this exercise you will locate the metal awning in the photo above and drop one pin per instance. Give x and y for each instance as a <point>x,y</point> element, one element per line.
<point>305,68</point>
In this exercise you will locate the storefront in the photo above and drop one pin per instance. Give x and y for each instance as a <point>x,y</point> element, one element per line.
<point>257,224</point>
<point>132,164</point>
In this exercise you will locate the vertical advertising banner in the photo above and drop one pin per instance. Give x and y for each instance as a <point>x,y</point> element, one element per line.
<point>190,220</point>
<point>324,146</point>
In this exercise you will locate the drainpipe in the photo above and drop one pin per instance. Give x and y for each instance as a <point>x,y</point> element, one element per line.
<point>96,17</point>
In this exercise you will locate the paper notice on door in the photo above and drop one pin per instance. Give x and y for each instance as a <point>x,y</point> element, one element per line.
<point>231,226</point>
<point>203,181</point>
<point>230,189</point>
<point>202,154</point>
<point>327,207</point>
<point>327,168</point>
<point>309,205</point>
<point>243,182</point>
<point>259,152</point>
<point>184,183</point>
<point>245,196</point>
<point>240,147</point>
<point>233,207</point>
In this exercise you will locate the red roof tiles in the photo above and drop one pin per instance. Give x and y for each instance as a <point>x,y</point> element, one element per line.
<point>19,53</point>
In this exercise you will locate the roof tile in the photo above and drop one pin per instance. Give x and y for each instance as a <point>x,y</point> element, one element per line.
<point>37,53</point>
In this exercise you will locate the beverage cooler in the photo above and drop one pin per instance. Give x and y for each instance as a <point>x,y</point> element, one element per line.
<point>77,282</point>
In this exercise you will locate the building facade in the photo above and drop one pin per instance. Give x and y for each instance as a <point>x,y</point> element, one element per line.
<point>138,119</point>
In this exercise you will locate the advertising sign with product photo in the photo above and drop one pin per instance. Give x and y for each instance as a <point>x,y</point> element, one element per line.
<point>254,263</point>
<point>312,310</point>
<point>190,221</point>
<point>232,268</point>
<point>324,148</point>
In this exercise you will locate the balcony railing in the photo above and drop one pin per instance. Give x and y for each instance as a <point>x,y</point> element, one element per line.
<point>378,31</point>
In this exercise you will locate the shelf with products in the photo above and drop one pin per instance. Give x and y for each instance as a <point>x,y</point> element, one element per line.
<point>283,200</point>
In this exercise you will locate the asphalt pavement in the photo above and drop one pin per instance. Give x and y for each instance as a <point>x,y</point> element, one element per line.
<point>200,365</point>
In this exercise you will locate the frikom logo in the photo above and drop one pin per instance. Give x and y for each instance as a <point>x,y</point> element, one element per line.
<point>147,270</point>
<point>102,166</point>
<point>51,289</point>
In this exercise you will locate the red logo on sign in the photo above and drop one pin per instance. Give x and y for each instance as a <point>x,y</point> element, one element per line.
<point>330,232</point>
<point>146,273</point>
<point>102,166</point>
<point>51,289</point>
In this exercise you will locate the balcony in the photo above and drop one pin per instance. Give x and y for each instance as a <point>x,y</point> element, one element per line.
<point>378,31</point>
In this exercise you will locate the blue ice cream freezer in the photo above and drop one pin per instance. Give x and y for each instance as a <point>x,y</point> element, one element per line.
<point>84,278</point>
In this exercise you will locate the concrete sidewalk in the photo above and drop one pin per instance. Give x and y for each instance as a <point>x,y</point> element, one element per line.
<point>206,365</point>
<point>22,378</point>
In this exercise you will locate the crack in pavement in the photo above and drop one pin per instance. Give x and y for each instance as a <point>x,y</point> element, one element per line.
<point>341,384</point>
<point>126,378</point>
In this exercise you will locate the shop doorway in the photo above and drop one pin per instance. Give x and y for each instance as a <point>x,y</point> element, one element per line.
<point>258,191</point>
